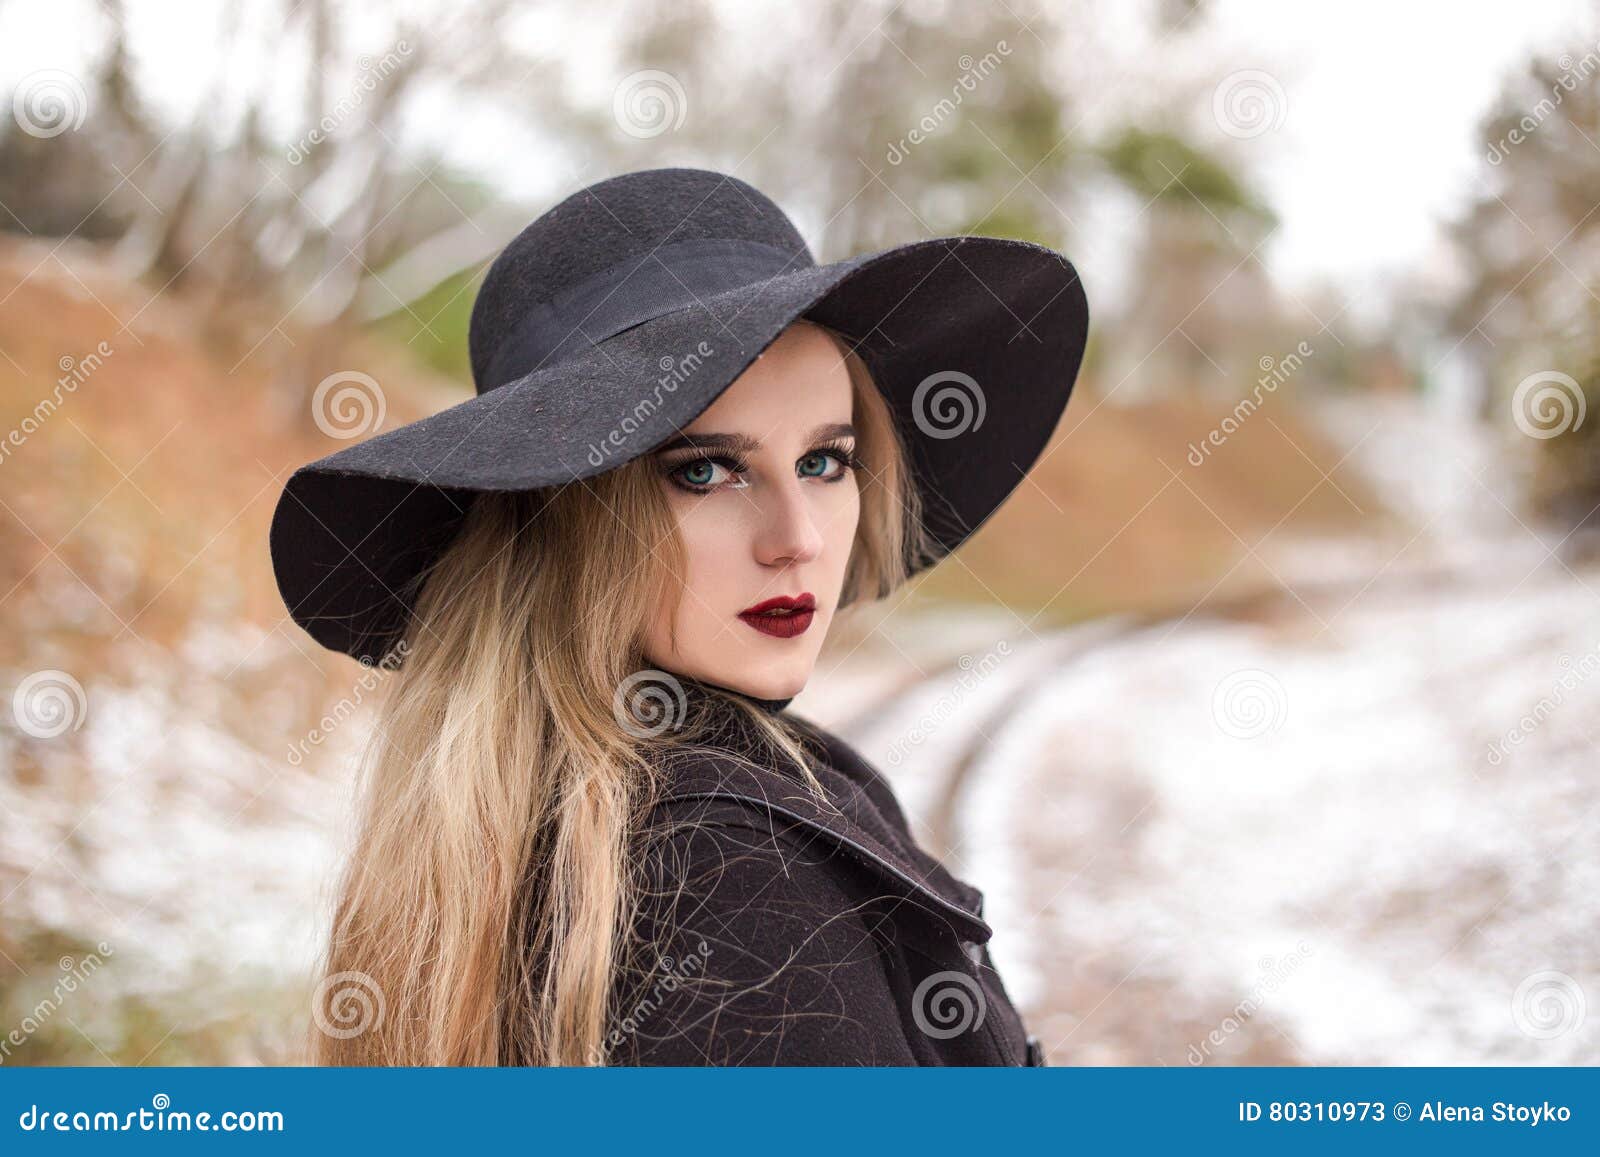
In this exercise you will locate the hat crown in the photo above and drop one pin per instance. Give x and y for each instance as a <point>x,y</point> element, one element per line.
<point>611,222</point>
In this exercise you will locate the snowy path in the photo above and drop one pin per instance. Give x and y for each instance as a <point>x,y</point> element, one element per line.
<point>1300,836</point>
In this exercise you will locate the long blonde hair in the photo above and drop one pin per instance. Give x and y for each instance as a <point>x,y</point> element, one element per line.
<point>484,911</point>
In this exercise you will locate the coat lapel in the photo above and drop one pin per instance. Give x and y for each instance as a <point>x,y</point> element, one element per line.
<point>849,819</point>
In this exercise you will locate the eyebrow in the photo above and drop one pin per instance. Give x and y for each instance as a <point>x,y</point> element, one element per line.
<point>744,444</point>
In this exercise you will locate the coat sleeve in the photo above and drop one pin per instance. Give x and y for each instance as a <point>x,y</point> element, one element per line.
<point>751,950</point>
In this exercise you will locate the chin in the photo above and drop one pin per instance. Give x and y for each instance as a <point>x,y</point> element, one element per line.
<point>769,688</point>
<point>767,684</point>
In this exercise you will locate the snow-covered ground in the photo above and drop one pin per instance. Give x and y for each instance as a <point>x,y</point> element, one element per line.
<point>1356,824</point>
<point>1362,828</point>
<point>191,869</point>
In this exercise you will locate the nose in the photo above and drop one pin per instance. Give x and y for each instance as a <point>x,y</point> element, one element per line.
<point>788,531</point>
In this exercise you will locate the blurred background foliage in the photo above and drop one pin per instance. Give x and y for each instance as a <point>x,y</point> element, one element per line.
<point>232,256</point>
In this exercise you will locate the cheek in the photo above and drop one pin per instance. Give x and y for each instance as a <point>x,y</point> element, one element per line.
<point>843,515</point>
<point>710,540</point>
<point>705,540</point>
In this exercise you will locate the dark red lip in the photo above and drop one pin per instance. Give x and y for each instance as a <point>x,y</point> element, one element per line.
<point>783,617</point>
<point>805,601</point>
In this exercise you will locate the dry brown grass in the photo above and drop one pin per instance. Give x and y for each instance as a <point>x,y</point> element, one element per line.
<point>1115,517</point>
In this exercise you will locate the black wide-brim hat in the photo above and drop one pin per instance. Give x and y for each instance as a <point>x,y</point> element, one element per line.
<point>612,321</point>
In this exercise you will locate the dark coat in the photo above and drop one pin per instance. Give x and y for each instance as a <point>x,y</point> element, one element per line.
<point>776,930</point>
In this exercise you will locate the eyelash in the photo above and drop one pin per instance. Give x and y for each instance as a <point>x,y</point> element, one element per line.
<point>840,451</point>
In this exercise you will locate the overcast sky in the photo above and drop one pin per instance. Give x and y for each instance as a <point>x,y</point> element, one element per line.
<point>1373,141</point>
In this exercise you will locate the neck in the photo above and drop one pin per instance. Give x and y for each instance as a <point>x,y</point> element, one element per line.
<point>694,686</point>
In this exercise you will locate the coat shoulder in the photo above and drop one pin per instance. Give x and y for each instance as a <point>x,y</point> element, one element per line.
<point>750,947</point>
<point>846,811</point>
<point>785,922</point>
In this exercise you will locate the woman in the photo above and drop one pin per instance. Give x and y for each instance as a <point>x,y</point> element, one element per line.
<point>591,831</point>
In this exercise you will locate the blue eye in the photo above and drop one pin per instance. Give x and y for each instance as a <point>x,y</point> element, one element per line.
<point>703,475</point>
<point>706,475</point>
<point>813,464</point>
<point>816,465</point>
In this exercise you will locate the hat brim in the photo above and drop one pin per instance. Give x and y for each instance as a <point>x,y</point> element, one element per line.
<point>1007,321</point>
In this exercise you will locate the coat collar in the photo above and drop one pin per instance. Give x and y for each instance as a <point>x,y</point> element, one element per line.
<point>860,817</point>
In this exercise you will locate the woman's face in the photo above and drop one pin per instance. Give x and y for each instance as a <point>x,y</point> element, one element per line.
<point>765,493</point>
